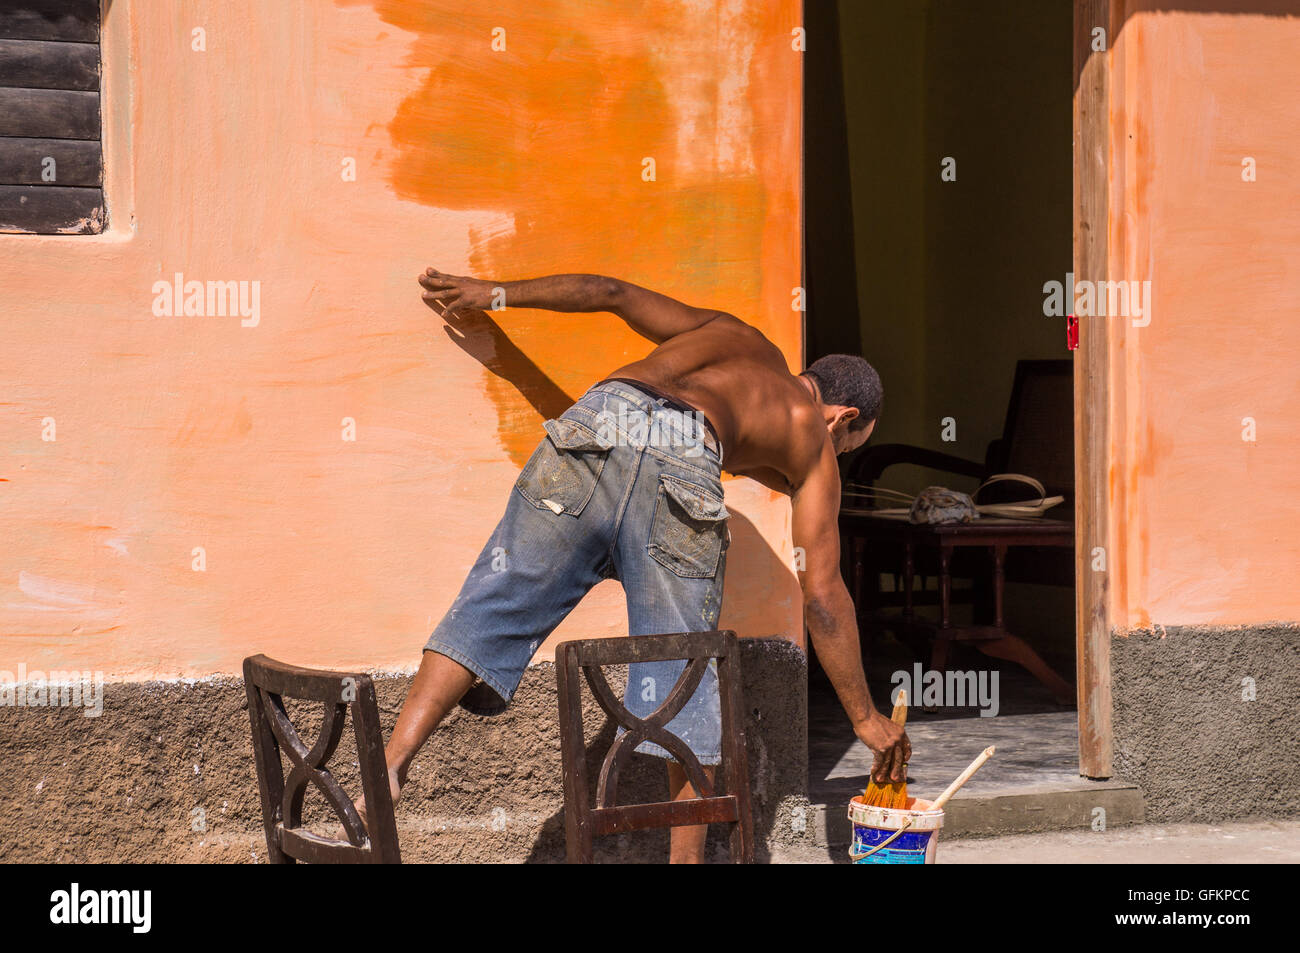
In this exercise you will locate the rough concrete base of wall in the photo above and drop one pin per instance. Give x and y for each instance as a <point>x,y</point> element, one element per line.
<point>165,774</point>
<point>1205,720</point>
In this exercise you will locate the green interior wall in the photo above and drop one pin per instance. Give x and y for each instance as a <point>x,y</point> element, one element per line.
<point>950,274</point>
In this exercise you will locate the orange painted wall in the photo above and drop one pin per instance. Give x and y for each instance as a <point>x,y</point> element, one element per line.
<point>180,432</point>
<point>1204,523</point>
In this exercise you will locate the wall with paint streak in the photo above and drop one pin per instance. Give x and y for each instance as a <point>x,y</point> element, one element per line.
<point>226,164</point>
<point>1203,521</point>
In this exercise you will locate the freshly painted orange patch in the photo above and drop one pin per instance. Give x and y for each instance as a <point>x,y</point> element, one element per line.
<point>558,130</point>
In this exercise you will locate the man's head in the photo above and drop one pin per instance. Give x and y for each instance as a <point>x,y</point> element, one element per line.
<point>850,393</point>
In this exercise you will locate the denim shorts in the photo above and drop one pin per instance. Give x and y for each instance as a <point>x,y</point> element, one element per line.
<point>623,487</point>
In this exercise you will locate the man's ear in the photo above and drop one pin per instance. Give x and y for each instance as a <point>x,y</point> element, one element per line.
<point>844,415</point>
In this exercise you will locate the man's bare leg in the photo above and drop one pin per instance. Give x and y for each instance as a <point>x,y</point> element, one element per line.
<point>438,686</point>
<point>686,844</point>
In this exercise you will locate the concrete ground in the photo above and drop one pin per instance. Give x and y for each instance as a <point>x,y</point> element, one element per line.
<point>1238,842</point>
<point>1037,739</point>
<point>1034,750</point>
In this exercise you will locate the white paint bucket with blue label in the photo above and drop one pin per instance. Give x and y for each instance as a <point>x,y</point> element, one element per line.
<point>884,835</point>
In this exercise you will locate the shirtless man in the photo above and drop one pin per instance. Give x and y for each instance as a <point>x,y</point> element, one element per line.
<point>627,485</point>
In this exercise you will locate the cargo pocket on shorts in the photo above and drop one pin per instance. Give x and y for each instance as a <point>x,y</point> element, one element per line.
<point>689,528</point>
<point>561,474</point>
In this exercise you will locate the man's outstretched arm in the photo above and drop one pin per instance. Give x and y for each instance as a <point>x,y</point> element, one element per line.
<point>831,619</point>
<point>648,313</point>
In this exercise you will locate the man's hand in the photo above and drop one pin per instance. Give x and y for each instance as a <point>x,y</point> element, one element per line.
<point>454,292</point>
<point>891,746</point>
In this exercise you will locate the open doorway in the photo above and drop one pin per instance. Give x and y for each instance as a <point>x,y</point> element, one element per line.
<point>938,200</point>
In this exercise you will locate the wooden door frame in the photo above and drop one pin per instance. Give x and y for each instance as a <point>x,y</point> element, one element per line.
<point>1092,389</point>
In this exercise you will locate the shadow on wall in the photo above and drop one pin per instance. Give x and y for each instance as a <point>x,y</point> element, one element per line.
<point>1095,11</point>
<point>479,336</point>
<point>1268,8</point>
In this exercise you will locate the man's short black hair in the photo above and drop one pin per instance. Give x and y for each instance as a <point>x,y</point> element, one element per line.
<point>849,381</point>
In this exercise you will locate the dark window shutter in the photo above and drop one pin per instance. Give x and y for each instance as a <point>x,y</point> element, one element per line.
<point>51,156</point>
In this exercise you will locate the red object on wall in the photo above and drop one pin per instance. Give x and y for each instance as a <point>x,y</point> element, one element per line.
<point>1071,332</point>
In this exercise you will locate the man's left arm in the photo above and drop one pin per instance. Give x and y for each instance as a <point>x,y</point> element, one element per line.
<point>652,315</point>
<point>831,618</point>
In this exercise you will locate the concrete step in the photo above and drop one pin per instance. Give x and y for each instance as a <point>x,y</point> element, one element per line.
<point>1012,810</point>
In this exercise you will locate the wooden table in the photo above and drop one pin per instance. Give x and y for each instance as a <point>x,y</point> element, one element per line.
<point>993,533</point>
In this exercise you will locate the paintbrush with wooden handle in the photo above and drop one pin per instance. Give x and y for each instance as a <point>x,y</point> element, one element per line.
<point>892,795</point>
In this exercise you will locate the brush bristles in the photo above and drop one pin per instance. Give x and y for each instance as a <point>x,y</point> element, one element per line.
<point>893,796</point>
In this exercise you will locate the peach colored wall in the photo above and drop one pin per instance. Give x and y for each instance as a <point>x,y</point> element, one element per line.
<point>179,432</point>
<point>1204,523</point>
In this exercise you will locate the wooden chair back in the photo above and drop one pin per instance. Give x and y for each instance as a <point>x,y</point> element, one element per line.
<point>726,800</point>
<point>268,683</point>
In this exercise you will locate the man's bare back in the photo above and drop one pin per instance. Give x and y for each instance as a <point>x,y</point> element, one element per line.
<point>764,417</point>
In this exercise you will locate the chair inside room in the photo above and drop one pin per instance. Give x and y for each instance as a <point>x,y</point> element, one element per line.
<point>1037,440</point>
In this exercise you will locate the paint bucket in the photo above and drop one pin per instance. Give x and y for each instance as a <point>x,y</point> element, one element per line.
<point>883,835</point>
